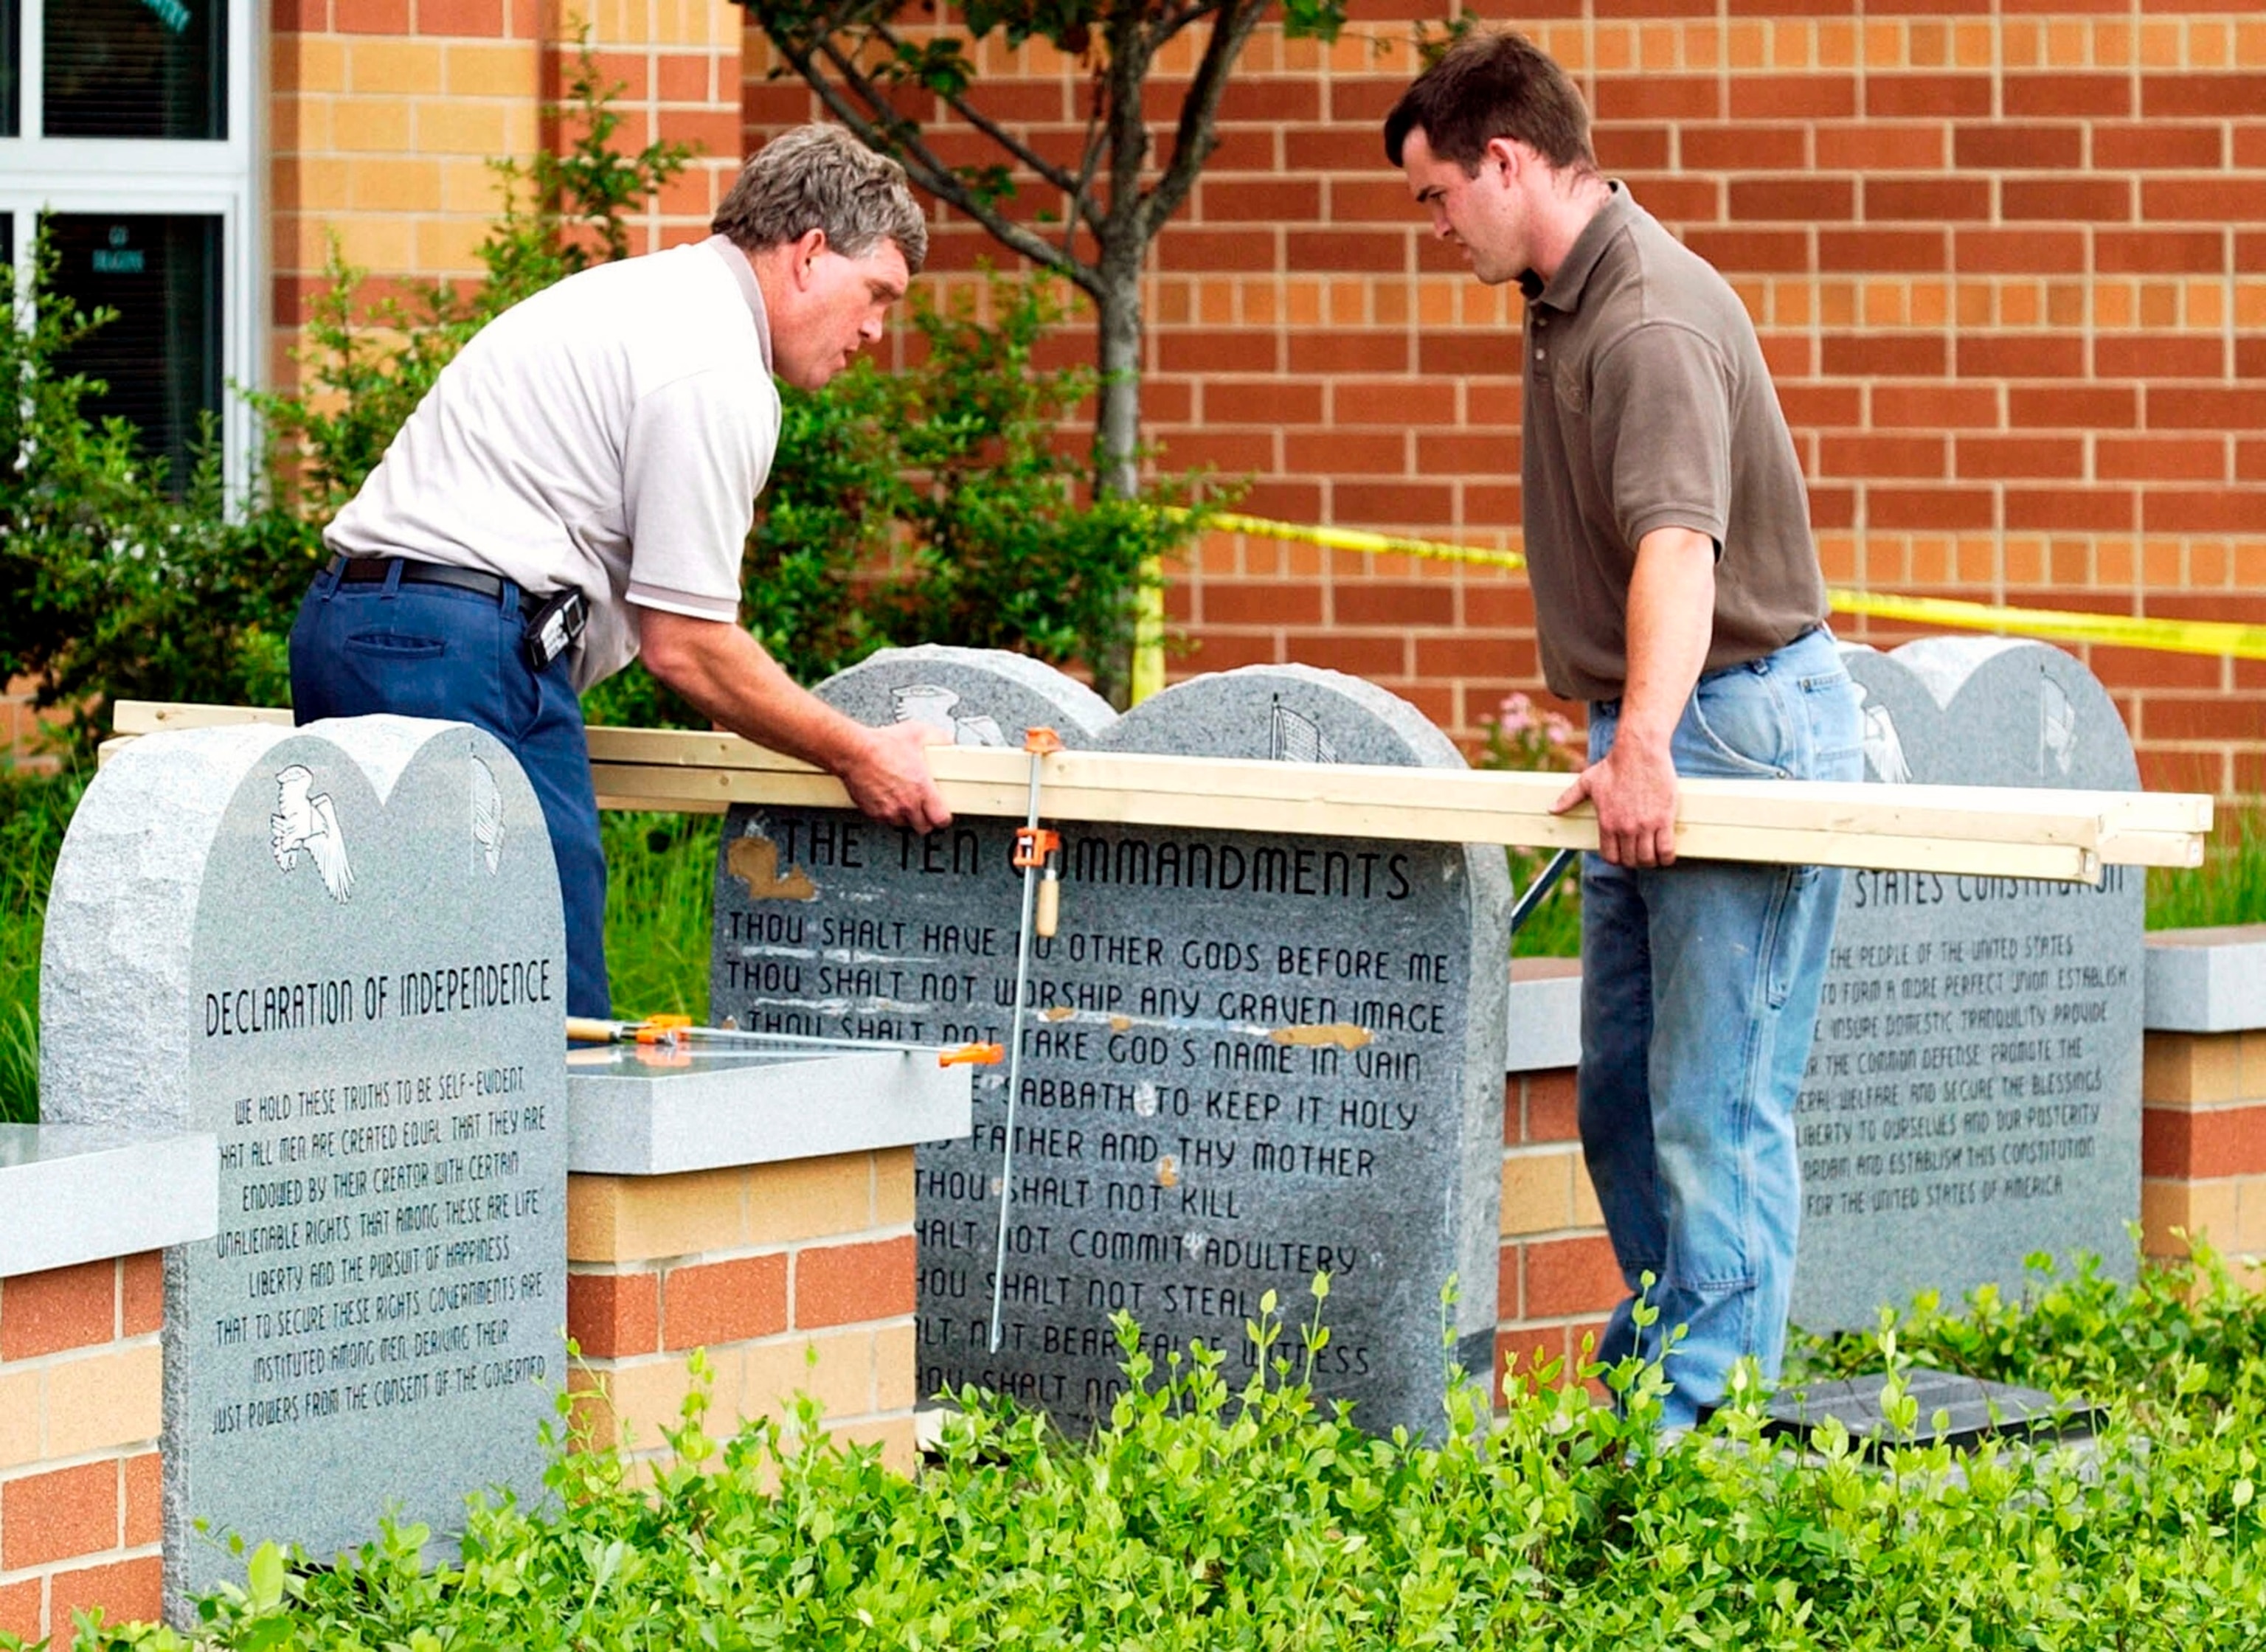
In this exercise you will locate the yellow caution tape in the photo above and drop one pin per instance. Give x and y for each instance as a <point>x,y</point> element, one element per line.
<point>2124,631</point>
<point>2166,636</point>
<point>1366,543</point>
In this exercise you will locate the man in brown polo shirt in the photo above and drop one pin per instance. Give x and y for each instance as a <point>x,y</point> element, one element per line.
<point>1677,589</point>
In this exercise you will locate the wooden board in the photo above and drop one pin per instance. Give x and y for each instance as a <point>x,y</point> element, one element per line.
<point>1975,831</point>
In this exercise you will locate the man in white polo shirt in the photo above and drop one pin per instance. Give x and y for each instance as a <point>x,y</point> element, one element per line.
<point>576,489</point>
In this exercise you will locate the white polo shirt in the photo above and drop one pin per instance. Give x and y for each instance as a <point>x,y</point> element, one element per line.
<point>609,432</point>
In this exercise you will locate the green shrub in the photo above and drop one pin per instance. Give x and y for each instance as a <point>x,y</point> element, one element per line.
<point>117,580</point>
<point>1219,1506</point>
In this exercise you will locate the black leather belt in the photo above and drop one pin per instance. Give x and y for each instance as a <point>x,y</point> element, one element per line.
<point>373,570</point>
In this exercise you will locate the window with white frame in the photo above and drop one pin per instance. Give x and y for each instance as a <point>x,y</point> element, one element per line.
<point>129,124</point>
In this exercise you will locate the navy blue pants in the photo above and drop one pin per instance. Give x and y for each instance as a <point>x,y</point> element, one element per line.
<point>434,651</point>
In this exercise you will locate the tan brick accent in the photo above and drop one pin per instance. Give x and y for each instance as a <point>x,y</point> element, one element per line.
<point>893,1188</point>
<point>816,1198</point>
<point>22,1417</point>
<point>106,1400</point>
<point>2181,1069</point>
<point>2197,1209</point>
<point>1537,1191</point>
<point>2204,1069</point>
<point>641,1218</point>
<point>637,1218</point>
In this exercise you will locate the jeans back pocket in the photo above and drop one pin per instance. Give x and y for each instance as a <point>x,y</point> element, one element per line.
<point>396,644</point>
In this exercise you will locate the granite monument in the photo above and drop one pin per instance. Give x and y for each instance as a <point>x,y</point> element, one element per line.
<point>1974,1093</point>
<point>1248,1057</point>
<point>339,950</point>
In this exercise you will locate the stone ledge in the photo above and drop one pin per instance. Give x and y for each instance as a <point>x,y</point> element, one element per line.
<point>83,1192</point>
<point>628,1117</point>
<point>2207,980</point>
<point>1544,1024</point>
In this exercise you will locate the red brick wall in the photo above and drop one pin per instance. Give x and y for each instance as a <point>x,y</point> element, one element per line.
<point>2004,257</point>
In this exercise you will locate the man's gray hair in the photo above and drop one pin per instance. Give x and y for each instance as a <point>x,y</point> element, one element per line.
<point>818,176</point>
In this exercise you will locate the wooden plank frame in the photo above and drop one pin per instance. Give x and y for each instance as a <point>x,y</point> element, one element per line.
<point>1986,832</point>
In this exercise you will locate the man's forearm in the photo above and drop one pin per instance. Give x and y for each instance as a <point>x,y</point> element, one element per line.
<point>1671,621</point>
<point>728,675</point>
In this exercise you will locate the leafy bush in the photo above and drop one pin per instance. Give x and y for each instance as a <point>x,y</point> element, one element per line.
<point>938,505</point>
<point>1212,1511</point>
<point>118,579</point>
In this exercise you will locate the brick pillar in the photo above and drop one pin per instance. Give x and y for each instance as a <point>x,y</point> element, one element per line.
<point>1558,1278</point>
<point>795,1277</point>
<point>2203,1144</point>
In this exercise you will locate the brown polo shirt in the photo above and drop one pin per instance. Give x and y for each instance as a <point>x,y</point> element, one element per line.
<point>1648,405</point>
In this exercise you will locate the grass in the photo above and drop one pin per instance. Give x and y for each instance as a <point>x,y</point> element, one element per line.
<point>661,890</point>
<point>1553,929</point>
<point>2231,886</point>
<point>34,808</point>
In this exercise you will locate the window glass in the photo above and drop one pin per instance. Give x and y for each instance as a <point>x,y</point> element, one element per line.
<point>161,358</point>
<point>12,54</point>
<point>143,68</point>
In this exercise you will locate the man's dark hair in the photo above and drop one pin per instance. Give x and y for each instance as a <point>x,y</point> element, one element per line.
<point>1494,84</point>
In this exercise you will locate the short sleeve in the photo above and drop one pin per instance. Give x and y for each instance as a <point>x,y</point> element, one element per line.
<point>1661,407</point>
<point>698,451</point>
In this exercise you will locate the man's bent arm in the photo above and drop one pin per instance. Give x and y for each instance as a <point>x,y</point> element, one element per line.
<point>727,674</point>
<point>1670,622</point>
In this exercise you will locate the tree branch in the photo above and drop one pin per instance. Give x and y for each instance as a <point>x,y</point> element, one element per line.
<point>1081,199</point>
<point>1182,18</point>
<point>1130,55</point>
<point>1197,136</point>
<point>1015,147</point>
<point>879,127</point>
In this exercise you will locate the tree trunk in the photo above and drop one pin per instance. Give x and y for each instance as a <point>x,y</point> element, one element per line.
<point>1118,431</point>
<point>1135,670</point>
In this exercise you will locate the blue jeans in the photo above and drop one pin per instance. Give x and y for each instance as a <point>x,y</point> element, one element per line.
<point>1699,992</point>
<point>434,651</point>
